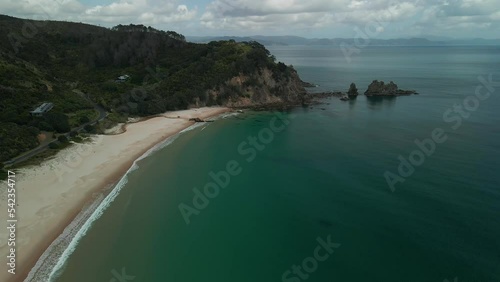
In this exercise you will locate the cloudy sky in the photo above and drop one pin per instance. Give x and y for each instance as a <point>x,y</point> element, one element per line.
<point>308,18</point>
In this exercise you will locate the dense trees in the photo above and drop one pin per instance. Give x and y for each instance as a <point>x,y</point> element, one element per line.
<point>58,121</point>
<point>89,128</point>
<point>84,120</point>
<point>142,28</point>
<point>15,139</point>
<point>62,139</point>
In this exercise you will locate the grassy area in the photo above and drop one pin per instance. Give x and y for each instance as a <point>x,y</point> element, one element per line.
<point>47,154</point>
<point>37,159</point>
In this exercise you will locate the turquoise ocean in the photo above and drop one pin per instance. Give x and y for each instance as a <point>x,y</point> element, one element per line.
<point>321,178</point>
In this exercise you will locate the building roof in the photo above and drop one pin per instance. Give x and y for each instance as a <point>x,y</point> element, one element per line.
<point>43,108</point>
<point>124,77</point>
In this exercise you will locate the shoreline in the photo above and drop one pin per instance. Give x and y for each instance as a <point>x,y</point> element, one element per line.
<point>76,180</point>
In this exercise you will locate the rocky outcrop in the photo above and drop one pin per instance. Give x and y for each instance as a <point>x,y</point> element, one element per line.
<point>262,89</point>
<point>308,85</point>
<point>379,88</point>
<point>196,120</point>
<point>353,90</point>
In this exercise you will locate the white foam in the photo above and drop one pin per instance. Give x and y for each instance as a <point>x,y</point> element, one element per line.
<point>228,115</point>
<point>192,127</point>
<point>88,223</point>
<point>52,262</point>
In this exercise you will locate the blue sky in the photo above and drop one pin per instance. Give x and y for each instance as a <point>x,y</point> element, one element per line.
<point>308,18</point>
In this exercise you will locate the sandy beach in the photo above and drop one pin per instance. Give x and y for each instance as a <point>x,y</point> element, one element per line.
<point>51,195</point>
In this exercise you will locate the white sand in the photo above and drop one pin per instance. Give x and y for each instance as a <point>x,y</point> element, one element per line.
<point>52,194</point>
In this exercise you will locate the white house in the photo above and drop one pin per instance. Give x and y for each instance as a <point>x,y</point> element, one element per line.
<point>42,109</point>
<point>123,78</point>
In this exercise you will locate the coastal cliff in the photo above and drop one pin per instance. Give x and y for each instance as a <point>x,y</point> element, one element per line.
<point>90,74</point>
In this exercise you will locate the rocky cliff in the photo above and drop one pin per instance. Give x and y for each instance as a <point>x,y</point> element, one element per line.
<point>263,88</point>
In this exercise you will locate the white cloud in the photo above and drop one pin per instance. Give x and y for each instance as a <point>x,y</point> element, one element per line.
<point>118,12</point>
<point>140,11</point>
<point>289,14</point>
<point>40,9</point>
<point>460,17</point>
<point>302,17</point>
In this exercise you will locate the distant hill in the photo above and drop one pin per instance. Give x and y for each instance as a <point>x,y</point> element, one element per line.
<point>296,40</point>
<point>262,40</point>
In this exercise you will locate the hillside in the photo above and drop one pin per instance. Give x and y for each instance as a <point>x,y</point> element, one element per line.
<point>75,66</point>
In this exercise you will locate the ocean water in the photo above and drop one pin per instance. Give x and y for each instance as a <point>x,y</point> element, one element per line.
<point>317,175</point>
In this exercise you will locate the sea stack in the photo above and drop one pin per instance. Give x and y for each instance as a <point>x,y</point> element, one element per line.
<point>353,90</point>
<point>379,88</point>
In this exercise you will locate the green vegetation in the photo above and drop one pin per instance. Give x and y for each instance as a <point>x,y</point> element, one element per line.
<point>89,128</point>
<point>16,139</point>
<point>82,117</point>
<point>37,159</point>
<point>54,146</point>
<point>62,139</point>
<point>75,66</point>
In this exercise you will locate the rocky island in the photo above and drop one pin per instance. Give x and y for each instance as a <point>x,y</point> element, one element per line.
<point>379,88</point>
<point>376,88</point>
<point>353,90</point>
